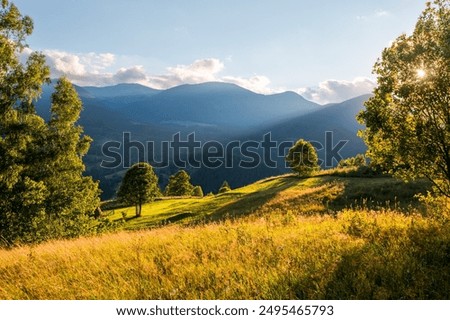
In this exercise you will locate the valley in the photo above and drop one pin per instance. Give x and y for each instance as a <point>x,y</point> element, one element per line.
<point>217,112</point>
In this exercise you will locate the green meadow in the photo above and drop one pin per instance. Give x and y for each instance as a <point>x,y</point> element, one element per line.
<point>331,236</point>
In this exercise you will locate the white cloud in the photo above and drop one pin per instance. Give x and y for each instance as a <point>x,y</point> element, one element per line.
<point>205,70</point>
<point>83,69</point>
<point>91,69</point>
<point>257,84</point>
<point>202,70</point>
<point>61,62</point>
<point>97,61</point>
<point>199,69</point>
<point>338,90</point>
<point>99,69</point>
<point>134,74</point>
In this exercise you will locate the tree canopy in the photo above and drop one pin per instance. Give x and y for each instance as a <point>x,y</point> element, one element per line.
<point>139,186</point>
<point>43,191</point>
<point>302,158</point>
<point>408,118</point>
<point>197,191</point>
<point>356,161</point>
<point>179,185</point>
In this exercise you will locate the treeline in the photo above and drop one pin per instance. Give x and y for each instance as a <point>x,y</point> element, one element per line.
<point>140,186</point>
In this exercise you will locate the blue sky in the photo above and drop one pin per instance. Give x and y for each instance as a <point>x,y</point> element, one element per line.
<point>323,49</point>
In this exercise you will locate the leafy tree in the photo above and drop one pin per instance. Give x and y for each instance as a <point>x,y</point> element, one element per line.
<point>70,194</point>
<point>22,198</point>
<point>44,194</point>
<point>139,186</point>
<point>302,158</point>
<point>197,192</point>
<point>357,161</point>
<point>408,118</point>
<point>179,184</point>
<point>225,187</point>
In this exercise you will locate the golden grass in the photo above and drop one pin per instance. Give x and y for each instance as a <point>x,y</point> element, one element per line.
<point>285,239</point>
<point>279,256</point>
<point>321,194</point>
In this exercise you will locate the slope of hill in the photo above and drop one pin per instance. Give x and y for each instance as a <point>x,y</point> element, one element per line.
<point>293,246</point>
<point>340,119</point>
<point>322,194</point>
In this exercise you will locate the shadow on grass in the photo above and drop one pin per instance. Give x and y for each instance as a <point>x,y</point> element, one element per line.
<point>410,261</point>
<point>177,217</point>
<point>379,270</point>
<point>249,203</point>
<point>383,192</point>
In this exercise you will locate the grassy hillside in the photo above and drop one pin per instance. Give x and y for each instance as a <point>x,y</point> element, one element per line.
<point>286,238</point>
<point>322,194</point>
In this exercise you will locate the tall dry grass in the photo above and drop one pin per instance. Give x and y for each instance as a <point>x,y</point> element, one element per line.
<point>359,254</point>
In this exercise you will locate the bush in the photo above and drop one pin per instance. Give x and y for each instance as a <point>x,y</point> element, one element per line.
<point>197,192</point>
<point>357,161</point>
<point>225,187</point>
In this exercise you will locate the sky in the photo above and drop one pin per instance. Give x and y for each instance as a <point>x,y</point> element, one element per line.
<point>321,49</point>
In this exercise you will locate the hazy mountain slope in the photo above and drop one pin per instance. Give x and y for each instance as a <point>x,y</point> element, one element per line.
<point>214,111</point>
<point>340,119</point>
<point>117,96</point>
<point>120,90</point>
<point>216,103</point>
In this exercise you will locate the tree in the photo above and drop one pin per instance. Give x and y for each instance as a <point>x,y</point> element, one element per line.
<point>197,192</point>
<point>22,198</point>
<point>225,187</point>
<point>302,158</point>
<point>70,194</point>
<point>408,118</point>
<point>357,161</point>
<point>179,185</point>
<point>139,186</point>
<point>43,193</point>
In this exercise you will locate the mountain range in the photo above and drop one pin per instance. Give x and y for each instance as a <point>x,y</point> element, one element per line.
<point>214,111</point>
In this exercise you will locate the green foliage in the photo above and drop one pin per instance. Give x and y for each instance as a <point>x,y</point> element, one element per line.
<point>44,194</point>
<point>225,187</point>
<point>437,207</point>
<point>407,121</point>
<point>140,185</point>
<point>357,161</point>
<point>70,193</point>
<point>302,158</point>
<point>197,192</point>
<point>179,185</point>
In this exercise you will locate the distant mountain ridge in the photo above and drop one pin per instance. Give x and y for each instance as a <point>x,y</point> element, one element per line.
<point>338,119</point>
<point>213,111</point>
<point>120,90</point>
<point>213,103</point>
